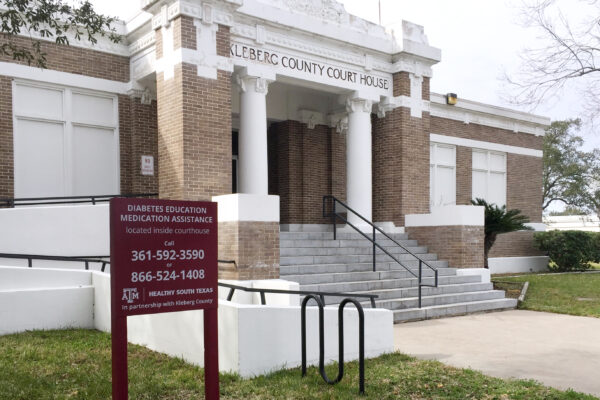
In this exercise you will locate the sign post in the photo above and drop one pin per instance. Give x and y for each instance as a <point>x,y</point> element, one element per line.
<point>163,259</point>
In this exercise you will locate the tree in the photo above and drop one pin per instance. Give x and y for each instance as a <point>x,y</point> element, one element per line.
<point>497,221</point>
<point>593,195</point>
<point>567,169</point>
<point>570,49</point>
<point>49,19</point>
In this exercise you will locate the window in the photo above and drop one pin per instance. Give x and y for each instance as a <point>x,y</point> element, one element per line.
<point>489,176</point>
<point>442,175</point>
<point>65,141</point>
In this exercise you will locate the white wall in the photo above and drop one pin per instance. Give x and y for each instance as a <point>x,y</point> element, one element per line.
<point>275,339</point>
<point>508,265</point>
<point>484,273</point>
<point>253,339</point>
<point>44,299</point>
<point>59,230</point>
<point>448,216</point>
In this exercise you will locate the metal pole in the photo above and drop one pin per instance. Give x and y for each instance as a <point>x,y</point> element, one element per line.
<point>119,357</point>
<point>420,272</point>
<point>211,354</point>
<point>374,262</point>
<point>263,301</point>
<point>333,221</point>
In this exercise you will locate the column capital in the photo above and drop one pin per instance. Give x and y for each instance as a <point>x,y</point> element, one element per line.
<point>255,84</point>
<point>358,105</point>
<point>339,121</point>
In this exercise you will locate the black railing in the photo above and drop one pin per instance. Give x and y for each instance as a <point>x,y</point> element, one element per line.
<point>87,260</point>
<point>36,201</point>
<point>334,216</point>
<point>361,341</point>
<point>232,288</point>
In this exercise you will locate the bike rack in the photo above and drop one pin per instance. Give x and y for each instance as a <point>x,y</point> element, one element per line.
<point>361,340</point>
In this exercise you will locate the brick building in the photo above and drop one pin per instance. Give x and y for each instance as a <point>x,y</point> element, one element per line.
<point>265,106</point>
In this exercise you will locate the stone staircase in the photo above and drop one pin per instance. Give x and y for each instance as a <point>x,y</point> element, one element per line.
<point>317,262</point>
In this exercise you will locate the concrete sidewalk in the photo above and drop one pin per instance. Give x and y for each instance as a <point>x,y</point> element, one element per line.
<point>561,351</point>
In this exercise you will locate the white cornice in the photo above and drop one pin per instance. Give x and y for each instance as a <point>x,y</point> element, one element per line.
<point>103,44</point>
<point>142,43</point>
<point>63,78</point>
<point>206,12</point>
<point>483,114</point>
<point>479,144</point>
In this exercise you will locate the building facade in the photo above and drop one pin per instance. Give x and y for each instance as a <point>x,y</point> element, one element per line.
<point>265,106</point>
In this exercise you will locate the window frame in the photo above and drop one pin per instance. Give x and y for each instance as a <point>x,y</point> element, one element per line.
<point>69,122</point>
<point>488,172</point>
<point>434,163</point>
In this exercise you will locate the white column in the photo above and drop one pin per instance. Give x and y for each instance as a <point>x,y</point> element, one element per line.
<point>358,160</point>
<point>253,168</point>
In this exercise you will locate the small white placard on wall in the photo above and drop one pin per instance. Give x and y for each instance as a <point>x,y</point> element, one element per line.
<point>148,165</point>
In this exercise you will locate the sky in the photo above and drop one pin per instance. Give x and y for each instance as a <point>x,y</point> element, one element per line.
<point>480,42</point>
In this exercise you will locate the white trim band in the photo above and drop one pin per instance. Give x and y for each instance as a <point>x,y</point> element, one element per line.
<point>471,112</point>
<point>478,144</point>
<point>448,216</point>
<point>62,78</point>
<point>247,207</point>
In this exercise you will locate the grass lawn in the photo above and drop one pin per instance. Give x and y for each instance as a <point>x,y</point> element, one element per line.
<point>575,294</point>
<point>75,364</point>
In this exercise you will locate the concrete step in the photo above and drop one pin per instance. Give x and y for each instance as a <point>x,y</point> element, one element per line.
<point>46,308</point>
<point>413,291</point>
<point>301,269</point>
<point>415,314</point>
<point>440,299</point>
<point>368,286</point>
<point>369,275</point>
<point>350,258</point>
<point>23,278</point>
<point>285,243</point>
<point>329,251</point>
<point>329,235</point>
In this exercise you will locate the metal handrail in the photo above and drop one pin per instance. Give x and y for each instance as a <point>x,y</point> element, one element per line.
<point>81,259</point>
<point>262,291</point>
<point>9,202</point>
<point>104,260</point>
<point>333,215</point>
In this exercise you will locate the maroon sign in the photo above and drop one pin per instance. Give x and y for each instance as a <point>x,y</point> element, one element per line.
<point>163,255</point>
<point>163,258</point>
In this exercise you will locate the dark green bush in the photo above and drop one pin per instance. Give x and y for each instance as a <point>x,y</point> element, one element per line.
<point>569,250</point>
<point>596,240</point>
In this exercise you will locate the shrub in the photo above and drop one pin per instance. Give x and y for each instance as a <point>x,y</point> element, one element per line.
<point>596,244</point>
<point>569,250</point>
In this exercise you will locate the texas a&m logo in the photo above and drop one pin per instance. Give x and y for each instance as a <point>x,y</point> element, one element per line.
<point>130,294</point>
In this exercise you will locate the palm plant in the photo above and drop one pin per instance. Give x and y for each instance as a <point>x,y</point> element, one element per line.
<point>498,220</point>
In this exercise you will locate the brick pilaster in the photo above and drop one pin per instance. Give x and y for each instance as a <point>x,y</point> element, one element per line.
<point>401,159</point>
<point>194,124</point>
<point>6,138</point>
